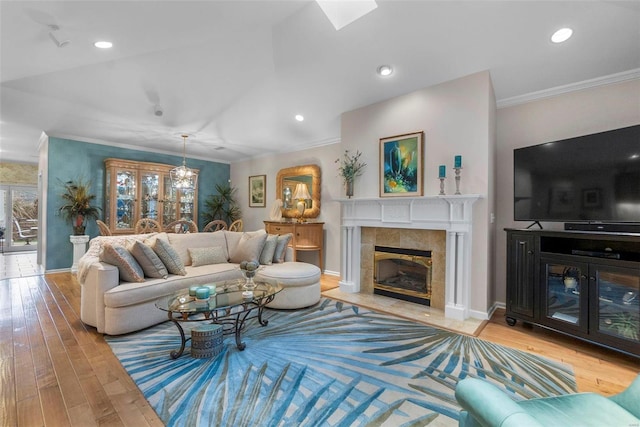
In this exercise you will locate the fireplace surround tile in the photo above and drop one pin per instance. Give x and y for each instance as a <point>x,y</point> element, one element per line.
<point>406,239</point>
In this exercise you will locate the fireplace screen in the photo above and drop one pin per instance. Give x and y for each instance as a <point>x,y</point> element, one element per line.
<point>403,273</point>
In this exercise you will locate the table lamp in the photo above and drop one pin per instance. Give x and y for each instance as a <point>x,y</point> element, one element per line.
<point>301,194</point>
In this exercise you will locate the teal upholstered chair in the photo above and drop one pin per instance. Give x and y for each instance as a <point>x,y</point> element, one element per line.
<point>485,405</point>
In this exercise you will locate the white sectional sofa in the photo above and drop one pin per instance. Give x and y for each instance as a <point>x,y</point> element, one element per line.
<point>116,307</point>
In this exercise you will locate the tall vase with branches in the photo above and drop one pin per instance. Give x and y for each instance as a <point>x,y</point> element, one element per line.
<point>76,205</point>
<point>350,166</point>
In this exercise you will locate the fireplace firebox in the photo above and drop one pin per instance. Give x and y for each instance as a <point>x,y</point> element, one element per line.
<point>403,273</point>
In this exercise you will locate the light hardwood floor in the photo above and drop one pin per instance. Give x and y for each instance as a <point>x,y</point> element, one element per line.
<point>55,371</point>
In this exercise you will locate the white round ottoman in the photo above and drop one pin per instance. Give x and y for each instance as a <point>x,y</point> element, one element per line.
<point>300,282</point>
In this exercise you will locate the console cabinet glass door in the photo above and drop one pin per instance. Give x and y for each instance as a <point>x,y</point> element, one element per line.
<point>565,297</point>
<point>169,205</point>
<point>149,189</point>
<point>125,199</point>
<point>521,277</point>
<point>177,204</point>
<point>616,305</point>
<point>185,204</point>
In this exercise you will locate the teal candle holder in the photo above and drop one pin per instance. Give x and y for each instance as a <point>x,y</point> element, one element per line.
<point>202,293</point>
<point>457,162</point>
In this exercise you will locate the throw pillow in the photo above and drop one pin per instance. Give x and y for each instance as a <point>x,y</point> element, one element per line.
<point>249,247</point>
<point>150,239</point>
<point>169,257</point>
<point>205,256</point>
<point>266,256</point>
<point>150,262</point>
<point>182,243</point>
<point>281,247</point>
<point>128,267</point>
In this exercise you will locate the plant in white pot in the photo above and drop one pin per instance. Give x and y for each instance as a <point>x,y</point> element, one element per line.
<point>76,207</point>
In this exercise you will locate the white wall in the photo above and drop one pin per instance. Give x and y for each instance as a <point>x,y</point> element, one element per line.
<point>573,114</point>
<point>331,189</point>
<point>457,118</point>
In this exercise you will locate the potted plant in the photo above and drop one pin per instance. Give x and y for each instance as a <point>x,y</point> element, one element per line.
<point>222,205</point>
<point>76,207</point>
<point>350,167</point>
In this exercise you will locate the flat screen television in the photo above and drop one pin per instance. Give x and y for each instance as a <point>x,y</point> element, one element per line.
<point>592,178</point>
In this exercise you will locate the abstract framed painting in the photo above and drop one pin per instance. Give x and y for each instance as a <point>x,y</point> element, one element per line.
<point>401,165</point>
<point>257,190</point>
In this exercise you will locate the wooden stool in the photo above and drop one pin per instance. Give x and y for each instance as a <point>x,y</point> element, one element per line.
<point>206,341</point>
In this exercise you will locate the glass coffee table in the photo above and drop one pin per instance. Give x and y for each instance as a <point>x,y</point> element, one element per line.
<point>227,307</point>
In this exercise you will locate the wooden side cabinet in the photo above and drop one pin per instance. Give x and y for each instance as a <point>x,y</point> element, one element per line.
<point>307,236</point>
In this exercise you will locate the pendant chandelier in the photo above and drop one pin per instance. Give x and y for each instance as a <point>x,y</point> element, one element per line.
<point>182,177</point>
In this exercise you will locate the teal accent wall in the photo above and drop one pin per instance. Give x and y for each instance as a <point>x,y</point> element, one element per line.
<point>69,160</point>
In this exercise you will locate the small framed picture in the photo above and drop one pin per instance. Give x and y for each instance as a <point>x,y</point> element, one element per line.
<point>592,198</point>
<point>401,165</point>
<point>257,191</point>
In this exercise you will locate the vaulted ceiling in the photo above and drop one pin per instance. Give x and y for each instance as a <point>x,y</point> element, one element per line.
<point>233,74</point>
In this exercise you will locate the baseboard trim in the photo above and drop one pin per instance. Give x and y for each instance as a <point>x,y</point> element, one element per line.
<point>331,273</point>
<point>58,270</point>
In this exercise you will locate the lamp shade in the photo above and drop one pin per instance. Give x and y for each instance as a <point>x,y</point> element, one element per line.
<point>301,192</point>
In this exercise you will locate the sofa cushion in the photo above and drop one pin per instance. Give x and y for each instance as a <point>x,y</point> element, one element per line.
<point>151,264</point>
<point>151,239</point>
<point>281,247</point>
<point>182,242</point>
<point>269,248</point>
<point>169,257</point>
<point>130,294</point>
<point>249,247</point>
<point>128,268</point>
<point>95,247</point>
<point>290,274</point>
<point>233,238</point>
<point>206,256</point>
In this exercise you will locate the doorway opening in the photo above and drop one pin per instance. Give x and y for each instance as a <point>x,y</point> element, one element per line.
<point>18,218</point>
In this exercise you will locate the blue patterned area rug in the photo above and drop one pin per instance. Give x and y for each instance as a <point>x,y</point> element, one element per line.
<point>333,364</point>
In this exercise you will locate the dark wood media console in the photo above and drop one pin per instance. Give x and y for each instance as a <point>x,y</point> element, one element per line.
<point>583,284</point>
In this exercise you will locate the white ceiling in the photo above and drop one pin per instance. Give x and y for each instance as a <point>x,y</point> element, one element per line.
<point>234,73</point>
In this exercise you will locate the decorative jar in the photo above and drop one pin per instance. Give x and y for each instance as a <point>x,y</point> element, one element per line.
<point>249,270</point>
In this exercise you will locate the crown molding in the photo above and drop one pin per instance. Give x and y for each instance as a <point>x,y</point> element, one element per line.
<point>572,87</point>
<point>132,147</point>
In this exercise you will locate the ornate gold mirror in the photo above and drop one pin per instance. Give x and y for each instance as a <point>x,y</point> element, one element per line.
<point>292,182</point>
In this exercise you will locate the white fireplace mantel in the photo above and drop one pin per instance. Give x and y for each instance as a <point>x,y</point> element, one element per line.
<point>453,214</point>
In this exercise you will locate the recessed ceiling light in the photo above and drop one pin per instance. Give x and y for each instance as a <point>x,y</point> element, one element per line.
<point>299,117</point>
<point>561,35</point>
<point>103,45</point>
<point>385,70</point>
